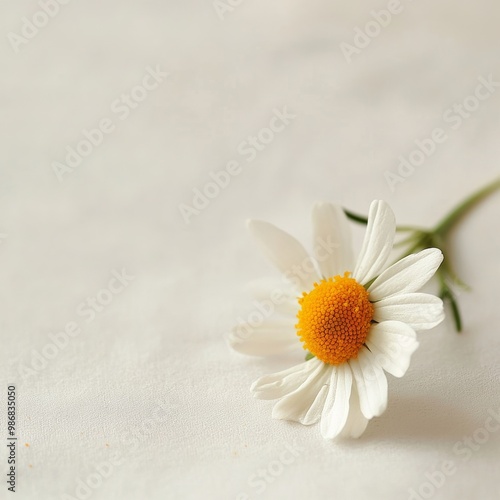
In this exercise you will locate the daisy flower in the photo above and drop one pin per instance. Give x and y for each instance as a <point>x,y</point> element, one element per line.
<point>357,319</point>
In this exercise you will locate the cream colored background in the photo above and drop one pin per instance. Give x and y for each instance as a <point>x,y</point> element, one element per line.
<point>161,340</point>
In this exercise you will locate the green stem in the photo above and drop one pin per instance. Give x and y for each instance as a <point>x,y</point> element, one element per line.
<point>420,239</point>
<point>447,295</point>
<point>409,239</point>
<point>360,219</point>
<point>355,217</point>
<point>450,220</point>
<point>407,229</point>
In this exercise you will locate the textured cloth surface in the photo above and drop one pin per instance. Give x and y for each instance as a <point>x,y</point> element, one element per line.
<point>114,309</point>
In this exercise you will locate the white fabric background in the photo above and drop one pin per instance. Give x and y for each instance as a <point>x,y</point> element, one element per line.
<point>161,341</point>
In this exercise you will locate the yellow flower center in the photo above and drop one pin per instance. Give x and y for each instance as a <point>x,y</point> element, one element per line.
<point>334,319</point>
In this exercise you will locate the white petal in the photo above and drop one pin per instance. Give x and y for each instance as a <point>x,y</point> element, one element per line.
<point>377,244</point>
<point>273,296</point>
<point>356,422</point>
<point>336,408</point>
<point>392,343</point>
<point>285,252</point>
<point>288,308</point>
<point>408,275</point>
<point>280,384</point>
<point>421,311</point>
<point>285,306</point>
<point>271,288</point>
<point>371,383</point>
<point>268,338</point>
<point>305,404</point>
<point>332,240</point>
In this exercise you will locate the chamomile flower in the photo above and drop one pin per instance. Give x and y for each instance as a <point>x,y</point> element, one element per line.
<point>357,319</point>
